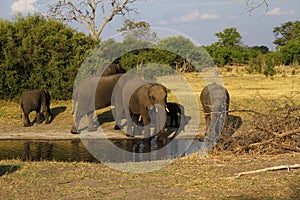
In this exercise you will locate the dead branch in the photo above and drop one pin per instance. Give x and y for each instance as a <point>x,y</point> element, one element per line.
<point>288,167</point>
<point>277,136</point>
<point>86,13</point>
<point>286,147</point>
<point>244,110</point>
<point>288,133</point>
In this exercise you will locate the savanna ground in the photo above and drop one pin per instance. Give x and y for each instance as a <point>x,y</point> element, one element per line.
<point>191,177</point>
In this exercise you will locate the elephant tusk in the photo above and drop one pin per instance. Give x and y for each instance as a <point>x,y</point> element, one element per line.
<point>156,110</point>
<point>167,110</point>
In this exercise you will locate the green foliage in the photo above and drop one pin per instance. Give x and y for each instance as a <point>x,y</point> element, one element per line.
<point>288,42</point>
<point>230,37</point>
<point>289,31</point>
<point>291,52</point>
<point>36,52</point>
<point>39,53</point>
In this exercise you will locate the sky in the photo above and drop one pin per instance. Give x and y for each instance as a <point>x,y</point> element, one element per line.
<point>197,19</point>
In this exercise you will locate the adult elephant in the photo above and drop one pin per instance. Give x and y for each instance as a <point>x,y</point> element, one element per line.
<point>37,100</point>
<point>215,101</point>
<point>137,98</point>
<point>92,94</point>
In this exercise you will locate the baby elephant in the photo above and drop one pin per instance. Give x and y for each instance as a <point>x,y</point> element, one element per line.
<point>174,111</point>
<point>35,100</point>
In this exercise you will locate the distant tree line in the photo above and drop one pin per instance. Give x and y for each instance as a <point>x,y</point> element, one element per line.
<point>37,52</point>
<point>230,51</point>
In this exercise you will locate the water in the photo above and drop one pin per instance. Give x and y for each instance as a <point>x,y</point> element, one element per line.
<point>95,150</point>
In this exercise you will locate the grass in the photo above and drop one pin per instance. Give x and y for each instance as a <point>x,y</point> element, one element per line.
<point>186,178</point>
<point>189,177</point>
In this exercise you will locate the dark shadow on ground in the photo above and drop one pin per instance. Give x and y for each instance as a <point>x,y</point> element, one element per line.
<point>105,117</point>
<point>7,169</point>
<point>57,110</point>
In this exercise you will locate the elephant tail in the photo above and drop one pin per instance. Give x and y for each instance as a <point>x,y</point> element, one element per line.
<point>21,109</point>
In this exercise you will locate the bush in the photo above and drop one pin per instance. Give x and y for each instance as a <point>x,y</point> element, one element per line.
<point>40,53</point>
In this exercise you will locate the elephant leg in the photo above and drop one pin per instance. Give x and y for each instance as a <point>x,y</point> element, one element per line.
<point>130,124</point>
<point>119,114</point>
<point>38,117</point>
<point>135,119</point>
<point>207,121</point>
<point>146,120</point>
<point>176,120</point>
<point>75,125</point>
<point>26,120</point>
<point>91,127</point>
<point>171,119</point>
<point>47,117</point>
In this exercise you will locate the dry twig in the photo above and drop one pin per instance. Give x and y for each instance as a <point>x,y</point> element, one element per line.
<point>288,167</point>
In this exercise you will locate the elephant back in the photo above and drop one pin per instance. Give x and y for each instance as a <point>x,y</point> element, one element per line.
<point>211,93</point>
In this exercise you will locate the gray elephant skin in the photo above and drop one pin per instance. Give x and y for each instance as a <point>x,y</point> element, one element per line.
<point>215,101</point>
<point>91,94</point>
<point>37,100</point>
<point>137,98</point>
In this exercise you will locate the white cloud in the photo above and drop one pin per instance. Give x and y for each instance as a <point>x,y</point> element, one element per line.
<point>193,16</point>
<point>278,12</point>
<point>218,3</point>
<point>24,6</point>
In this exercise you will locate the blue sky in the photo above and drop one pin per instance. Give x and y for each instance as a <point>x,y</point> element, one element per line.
<point>199,19</point>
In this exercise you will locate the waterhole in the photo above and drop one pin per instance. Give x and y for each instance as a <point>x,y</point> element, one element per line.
<point>76,150</point>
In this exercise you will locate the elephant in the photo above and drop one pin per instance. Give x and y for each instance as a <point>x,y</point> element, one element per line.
<point>36,100</point>
<point>137,98</point>
<point>91,94</point>
<point>110,69</point>
<point>175,110</point>
<point>215,101</point>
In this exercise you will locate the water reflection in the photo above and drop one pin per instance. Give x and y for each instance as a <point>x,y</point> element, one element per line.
<point>95,150</point>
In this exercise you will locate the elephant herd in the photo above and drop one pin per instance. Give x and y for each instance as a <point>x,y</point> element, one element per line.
<point>140,101</point>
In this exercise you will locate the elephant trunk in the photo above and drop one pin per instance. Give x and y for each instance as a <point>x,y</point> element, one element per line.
<point>216,124</point>
<point>160,116</point>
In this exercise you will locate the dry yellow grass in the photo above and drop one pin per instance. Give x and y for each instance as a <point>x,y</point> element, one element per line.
<point>187,178</point>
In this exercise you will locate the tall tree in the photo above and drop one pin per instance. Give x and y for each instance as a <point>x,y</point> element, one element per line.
<point>230,37</point>
<point>93,15</point>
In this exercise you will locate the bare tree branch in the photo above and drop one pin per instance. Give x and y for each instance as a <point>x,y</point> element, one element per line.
<point>93,15</point>
<point>254,4</point>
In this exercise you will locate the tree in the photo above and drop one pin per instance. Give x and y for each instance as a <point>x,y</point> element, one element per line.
<point>289,31</point>
<point>140,30</point>
<point>263,49</point>
<point>40,53</point>
<point>93,15</point>
<point>229,37</point>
